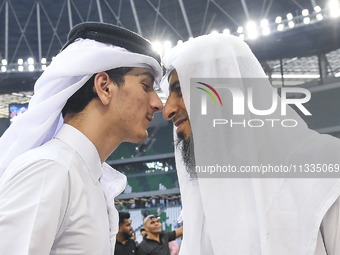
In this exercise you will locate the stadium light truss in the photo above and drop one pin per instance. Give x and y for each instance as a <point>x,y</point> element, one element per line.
<point>250,31</point>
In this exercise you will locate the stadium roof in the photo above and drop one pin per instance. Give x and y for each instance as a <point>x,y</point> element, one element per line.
<point>38,29</point>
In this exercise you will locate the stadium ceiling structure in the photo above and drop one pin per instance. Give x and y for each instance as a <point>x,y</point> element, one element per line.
<point>297,40</point>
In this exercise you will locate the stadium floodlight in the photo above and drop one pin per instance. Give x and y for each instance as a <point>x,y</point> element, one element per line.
<point>333,4</point>
<point>190,38</point>
<point>266,31</point>
<point>278,19</point>
<point>334,7</point>
<point>252,35</point>
<point>167,45</point>
<point>317,8</point>
<point>226,31</point>
<point>264,23</point>
<point>337,74</point>
<point>289,16</point>
<point>214,32</point>
<point>335,12</point>
<point>280,27</point>
<point>20,61</point>
<point>157,47</point>
<point>305,12</point>
<point>43,67</point>
<point>3,69</point>
<point>20,68</point>
<point>240,30</point>
<point>43,61</point>
<point>291,24</point>
<point>251,30</point>
<point>306,20</point>
<point>241,36</point>
<point>30,61</point>
<point>179,42</point>
<point>251,25</point>
<point>31,68</point>
<point>319,16</point>
<point>4,62</point>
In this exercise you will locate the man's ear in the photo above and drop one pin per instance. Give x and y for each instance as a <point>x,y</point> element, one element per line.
<point>102,87</point>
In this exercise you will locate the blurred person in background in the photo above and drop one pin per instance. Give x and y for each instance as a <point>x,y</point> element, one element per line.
<point>143,232</point>
<point>125,244</point>
<point>157,241</point>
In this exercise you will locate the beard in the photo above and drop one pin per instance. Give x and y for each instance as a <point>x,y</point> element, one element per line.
<point>127,235</point>
<point>186,148</point>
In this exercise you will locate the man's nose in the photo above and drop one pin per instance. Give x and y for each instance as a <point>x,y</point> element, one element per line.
<point>170,108</point>
<point>155,102</point>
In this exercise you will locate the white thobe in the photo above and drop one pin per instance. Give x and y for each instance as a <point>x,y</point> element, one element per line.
<point>328,242</point>
<point>54,203</point>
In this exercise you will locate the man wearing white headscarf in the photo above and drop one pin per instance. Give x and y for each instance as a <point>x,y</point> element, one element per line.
<point>56,192</point>
<point>230,212</point>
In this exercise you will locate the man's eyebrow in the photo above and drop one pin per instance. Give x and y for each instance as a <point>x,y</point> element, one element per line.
<point>173,85</point>
<point>150,75</point>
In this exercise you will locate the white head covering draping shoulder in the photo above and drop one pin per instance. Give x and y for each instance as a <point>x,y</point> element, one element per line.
<point>65,75</point>
<point>248,215</point>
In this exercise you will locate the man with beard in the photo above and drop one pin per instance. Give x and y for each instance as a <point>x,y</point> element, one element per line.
<point>176,111</point>
<point>157,241</point>
<point>264,216</point>
<point>125,245</point>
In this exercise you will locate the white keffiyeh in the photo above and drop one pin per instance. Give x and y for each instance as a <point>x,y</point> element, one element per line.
<point>243,216</point>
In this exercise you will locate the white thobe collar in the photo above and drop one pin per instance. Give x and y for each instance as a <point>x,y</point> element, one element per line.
<point>84,147</point>
<point>112,181</point>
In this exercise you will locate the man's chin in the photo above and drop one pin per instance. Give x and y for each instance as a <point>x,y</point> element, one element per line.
<point>156,232</point>
<point>140,138</point>
<point>127,235</point>
<point>183,136</point>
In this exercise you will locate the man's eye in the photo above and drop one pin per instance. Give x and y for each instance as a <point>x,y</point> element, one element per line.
<point>146,86</point>
<point>178,90</point>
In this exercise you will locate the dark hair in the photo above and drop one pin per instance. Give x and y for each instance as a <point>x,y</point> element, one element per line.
<point>79,100</point>
<point>123,216</point>
<point>142,229</point>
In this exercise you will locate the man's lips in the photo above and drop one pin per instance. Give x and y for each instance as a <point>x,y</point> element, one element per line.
<point>149,118</point>
<point>179,122</point>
